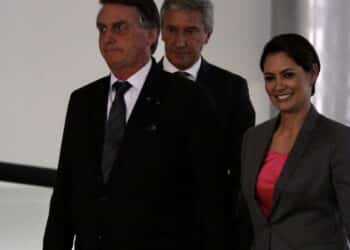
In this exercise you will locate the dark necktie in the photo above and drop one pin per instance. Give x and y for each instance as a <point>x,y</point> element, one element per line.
<point>115,127</point>
<point>184,74</point>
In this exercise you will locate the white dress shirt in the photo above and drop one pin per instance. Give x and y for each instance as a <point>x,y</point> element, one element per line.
<point>193,70</point>
<point>137,81</point>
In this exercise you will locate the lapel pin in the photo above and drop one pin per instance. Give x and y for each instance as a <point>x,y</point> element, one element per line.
<point>152,128</point>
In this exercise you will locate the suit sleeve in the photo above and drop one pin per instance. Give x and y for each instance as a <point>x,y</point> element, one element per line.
<point>242,119</point>
<point>215,208</point>
<point>243,228</point>
<point>59,231</point>
<point>341,176</point>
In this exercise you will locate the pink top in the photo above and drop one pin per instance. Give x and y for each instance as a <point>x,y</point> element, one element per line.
<point>267,179</point>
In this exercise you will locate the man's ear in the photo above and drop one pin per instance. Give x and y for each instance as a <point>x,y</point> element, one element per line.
<point>208,37</point>
<point>153,35</point>
<point>315,70</point>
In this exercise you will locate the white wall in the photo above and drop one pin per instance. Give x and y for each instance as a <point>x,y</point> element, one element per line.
<point>241,30</point>
<point>49,48</point>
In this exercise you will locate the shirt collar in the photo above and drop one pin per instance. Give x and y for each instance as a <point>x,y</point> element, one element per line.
<point>137,79</point>
<point>193,70</point>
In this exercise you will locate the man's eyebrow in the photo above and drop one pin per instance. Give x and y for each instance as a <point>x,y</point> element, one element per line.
<point>192,27</point>
<point>119,22</point>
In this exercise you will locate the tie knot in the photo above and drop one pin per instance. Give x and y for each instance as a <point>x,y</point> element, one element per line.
<point>121,87</point>
<point>184,74</point>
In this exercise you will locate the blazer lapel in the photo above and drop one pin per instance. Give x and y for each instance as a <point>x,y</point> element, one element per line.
<point>97,119</point>
<point>204,76</point>
<point>257,158</point>
<point>148,103</point>
<point>295,155</point>
<point>144,117</point>
<point>160,63</point>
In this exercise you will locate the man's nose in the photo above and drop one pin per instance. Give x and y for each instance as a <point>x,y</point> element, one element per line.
<point>180,40</point>
<point>109,37</point>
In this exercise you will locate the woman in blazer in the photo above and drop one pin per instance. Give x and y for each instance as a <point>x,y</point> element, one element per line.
<point>296,167</point>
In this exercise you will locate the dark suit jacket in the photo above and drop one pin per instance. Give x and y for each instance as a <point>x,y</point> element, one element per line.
<point>230,97</point>
<point>311,202</point>
<point>163,193</point>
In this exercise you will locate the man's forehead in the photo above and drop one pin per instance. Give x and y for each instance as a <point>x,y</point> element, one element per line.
<point>183,17</point>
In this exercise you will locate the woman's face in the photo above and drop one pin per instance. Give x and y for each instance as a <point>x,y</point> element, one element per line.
<point>287,84</point>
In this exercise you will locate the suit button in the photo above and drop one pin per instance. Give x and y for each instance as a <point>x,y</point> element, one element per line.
<point>103,198</point>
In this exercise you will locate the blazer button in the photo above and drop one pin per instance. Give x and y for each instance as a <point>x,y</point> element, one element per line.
<point>104,198</point>
<point>152,128</point>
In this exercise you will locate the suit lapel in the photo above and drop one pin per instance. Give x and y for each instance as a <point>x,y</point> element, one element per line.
<point>98,116</point>
<point>263,138</point>
<point>144,118</point>
<point>295,155</point>
<point>148,103</point>
<point>160,63</point>
<point>204,76</point>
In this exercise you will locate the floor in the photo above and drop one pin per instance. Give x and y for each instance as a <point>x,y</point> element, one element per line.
<point>23,214</point>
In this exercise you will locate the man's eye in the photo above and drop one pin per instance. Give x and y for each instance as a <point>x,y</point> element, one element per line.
<point>101,29</point>
<point>268,78</point>
<point>120,27</point>
<point>288,75</point>
<point>170,29</point>
<point>190,31</point>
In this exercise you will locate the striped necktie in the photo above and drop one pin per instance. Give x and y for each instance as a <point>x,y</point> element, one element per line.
<point>115,127</point>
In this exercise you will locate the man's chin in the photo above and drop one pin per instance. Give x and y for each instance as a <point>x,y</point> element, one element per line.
<point>181,64</point>
<point>115,64</point>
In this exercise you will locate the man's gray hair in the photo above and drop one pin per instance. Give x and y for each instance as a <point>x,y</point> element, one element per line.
<point>205,7</point>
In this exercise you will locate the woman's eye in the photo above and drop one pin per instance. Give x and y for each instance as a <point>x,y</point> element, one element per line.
<point>288,75</point>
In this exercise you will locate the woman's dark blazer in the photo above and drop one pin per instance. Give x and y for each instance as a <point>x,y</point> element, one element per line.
<point>311,201</point>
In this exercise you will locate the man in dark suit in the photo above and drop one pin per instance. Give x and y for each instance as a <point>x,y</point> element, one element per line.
<point>140,164</point>
<point>186,26</point>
